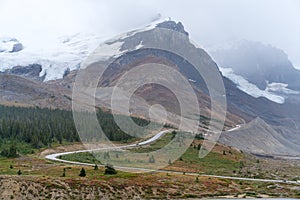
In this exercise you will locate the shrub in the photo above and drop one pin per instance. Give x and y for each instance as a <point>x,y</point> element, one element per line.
<point>110,170</point>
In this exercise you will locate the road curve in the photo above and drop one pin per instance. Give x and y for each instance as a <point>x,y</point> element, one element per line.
<point>55,156</point>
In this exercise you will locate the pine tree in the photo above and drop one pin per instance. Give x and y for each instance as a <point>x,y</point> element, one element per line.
<point>64,173</point>
<point>151,159</point>
<point>199,147</point>
<point>82,172</point>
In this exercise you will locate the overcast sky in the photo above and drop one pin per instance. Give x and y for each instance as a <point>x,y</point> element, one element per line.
<point>209,22</point>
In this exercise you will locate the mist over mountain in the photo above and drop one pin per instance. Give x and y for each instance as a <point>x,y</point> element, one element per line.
<point>258,69</point>
<point>260,64</point>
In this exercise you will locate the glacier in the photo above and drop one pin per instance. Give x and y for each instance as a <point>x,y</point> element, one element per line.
<point>66,52</point>
<point>252,89</point>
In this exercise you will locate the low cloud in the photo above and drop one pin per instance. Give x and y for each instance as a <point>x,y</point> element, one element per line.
<point>208,21</point>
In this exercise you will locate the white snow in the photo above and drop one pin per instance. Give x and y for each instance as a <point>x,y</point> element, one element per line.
<point>112,47</point>
<point>7,44</point>
<point>280,88</point>
<point>104,52</point>
<point>250,88</point>
<point>67,52</point>
<point>132,32</point>
<point>140,45</point>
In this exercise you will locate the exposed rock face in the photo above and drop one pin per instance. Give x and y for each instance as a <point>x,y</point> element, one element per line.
<point>173,26</point>
<point>128,60</point>
<point>10,45</point>
<point>137,49</point>
<point>30,71</point>
<point>17,47</point>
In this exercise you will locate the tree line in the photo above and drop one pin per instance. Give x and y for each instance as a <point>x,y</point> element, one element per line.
<point>40,127</point>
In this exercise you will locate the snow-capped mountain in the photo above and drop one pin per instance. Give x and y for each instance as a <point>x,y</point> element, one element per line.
<point>65,54</point>
<point>240,105</point>
<point>259,70</point>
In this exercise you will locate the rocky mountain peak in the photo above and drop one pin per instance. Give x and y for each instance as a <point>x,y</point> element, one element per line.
<point>172,25</point>
<point>31,71</point>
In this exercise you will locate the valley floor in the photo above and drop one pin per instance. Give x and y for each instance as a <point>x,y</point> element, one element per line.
<point>43,179</point>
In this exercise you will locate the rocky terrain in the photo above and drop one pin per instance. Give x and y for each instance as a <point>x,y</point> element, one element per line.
<point>17,89</point>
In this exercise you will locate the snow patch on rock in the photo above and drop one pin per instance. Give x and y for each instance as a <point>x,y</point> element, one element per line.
<point>280,88</point>
<point>10,45</point>
<point>252,89</point>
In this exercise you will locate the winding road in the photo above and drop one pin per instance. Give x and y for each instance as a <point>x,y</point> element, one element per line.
<point>55,157</point>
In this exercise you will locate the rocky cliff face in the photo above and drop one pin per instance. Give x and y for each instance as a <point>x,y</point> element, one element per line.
<point>31,71</point>
<point>173,26</point>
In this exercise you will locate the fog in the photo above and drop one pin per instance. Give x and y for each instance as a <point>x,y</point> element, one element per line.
<point>209,22</point>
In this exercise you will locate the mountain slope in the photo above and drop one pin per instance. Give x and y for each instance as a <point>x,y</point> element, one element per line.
<point>258,69</point>
<point>126,52</point>
<point>258,137</point>
<point>16,89</point>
